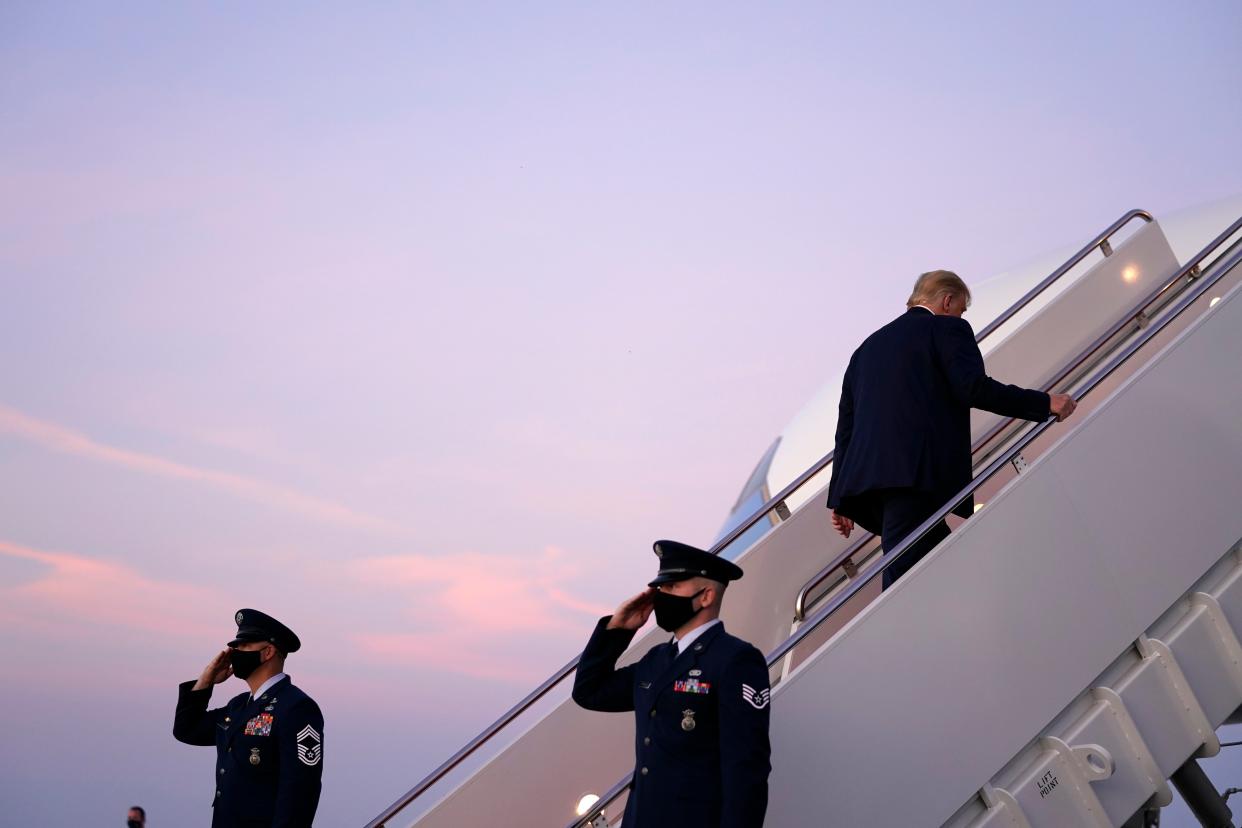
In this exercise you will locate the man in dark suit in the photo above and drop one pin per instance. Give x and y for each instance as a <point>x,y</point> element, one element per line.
<point>701,702</point>
<point>269,741</point>
<point>903,429</point>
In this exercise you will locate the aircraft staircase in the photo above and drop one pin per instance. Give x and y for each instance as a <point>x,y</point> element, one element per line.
<point>1055,662</point>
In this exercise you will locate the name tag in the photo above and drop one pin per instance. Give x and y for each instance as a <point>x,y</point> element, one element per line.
<point>692,686</point>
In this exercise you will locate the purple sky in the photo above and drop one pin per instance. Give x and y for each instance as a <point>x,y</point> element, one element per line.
<point>414,326</point>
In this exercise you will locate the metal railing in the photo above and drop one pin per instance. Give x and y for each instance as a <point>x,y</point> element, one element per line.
<point>878,566</point>
<point>1137,316</point>
<point>775,503</point>
<point>1101,241</point>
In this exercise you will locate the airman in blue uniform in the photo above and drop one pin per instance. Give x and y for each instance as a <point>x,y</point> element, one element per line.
<point>269,741</point>
<point>701,702</point>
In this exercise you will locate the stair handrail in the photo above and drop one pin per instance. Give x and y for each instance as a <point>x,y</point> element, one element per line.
<point>1135,315</point>
<point>1100,241</point>
<point>889,558</point>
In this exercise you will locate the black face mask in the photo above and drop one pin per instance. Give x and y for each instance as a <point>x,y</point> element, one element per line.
<point>132,823</point>
<point>672,611</point>
<point>245,662</point>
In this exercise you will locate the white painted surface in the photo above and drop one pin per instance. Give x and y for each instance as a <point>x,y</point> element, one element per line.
<point>984,642</point>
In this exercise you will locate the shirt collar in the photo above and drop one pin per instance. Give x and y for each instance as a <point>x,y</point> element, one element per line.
<point>267,685</point>
<point>690,637</point>
<point>924,307</point>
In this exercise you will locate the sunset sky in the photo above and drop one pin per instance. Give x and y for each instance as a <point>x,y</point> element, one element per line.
<point>414,324</point>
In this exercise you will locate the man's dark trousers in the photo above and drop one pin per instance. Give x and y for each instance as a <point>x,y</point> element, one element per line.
<point>900,512</point>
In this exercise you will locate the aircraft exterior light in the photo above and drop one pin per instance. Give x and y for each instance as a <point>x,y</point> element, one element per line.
<point>586,803</point>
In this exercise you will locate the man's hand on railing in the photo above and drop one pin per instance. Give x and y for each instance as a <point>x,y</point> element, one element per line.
<point>842,524</point>
<point>1061,405</point>
<point>633,612</point>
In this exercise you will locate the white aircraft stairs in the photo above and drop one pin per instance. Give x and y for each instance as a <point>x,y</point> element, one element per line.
<point>1056,662</point>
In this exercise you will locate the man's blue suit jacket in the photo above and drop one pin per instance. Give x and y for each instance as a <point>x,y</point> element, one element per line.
<point>904,419</point>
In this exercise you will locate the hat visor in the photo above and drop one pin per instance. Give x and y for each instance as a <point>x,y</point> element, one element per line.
<point>242,638</point>
<point>670,578</point>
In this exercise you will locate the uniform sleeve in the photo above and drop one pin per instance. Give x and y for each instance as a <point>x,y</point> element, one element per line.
<point>598,684</point>
<point>300,743</point>
<point>845,429</point>
<point>962,363</point>
<point>745,753</point>
<point>193,723</point>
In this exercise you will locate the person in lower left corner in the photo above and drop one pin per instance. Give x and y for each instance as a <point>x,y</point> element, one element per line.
<point>269,741</point>
<point>701,701</point>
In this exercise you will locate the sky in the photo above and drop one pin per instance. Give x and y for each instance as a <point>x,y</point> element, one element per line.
<point>414,324</point>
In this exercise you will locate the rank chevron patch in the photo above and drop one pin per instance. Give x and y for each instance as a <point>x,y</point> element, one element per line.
<point>756,699</point>
<point>310,746</point>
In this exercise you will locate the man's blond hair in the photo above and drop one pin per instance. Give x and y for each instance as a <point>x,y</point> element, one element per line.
<point>933,284</point>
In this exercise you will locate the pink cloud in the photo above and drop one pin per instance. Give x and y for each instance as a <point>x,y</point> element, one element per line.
<point>456,651</point>
<point>67,441</point>
<point>79,596</point>
<point>484,616</point>
<point>491,591</point>
<point>476,614</point>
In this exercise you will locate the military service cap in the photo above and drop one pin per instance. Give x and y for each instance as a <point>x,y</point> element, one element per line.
<point>679,561</point>
<point>253,625</point>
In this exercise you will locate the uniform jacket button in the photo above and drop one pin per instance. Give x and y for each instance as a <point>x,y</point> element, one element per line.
<point>643,771</point>
<point>646,741</point>
<point>653,714</point>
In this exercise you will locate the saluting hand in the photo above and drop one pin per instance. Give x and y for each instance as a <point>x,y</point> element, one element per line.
<point>216,671</point>
<point>634,612</point>
<point>842,524</point>
<point>1061,405</point>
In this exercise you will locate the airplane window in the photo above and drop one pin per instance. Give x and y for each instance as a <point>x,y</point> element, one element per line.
<point>759,477</point>
<point>754,494</point>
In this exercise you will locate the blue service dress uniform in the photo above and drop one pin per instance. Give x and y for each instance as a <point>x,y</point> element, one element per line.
<point>269,753</point>
<point>702,755</point>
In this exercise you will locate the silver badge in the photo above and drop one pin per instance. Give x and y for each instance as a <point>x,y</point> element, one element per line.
<point>687,722</point>
<point>757,699</point>
<point>694,673</point>
<point>310,746</point>
<point>254,756</point>
<point>238,618</point>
